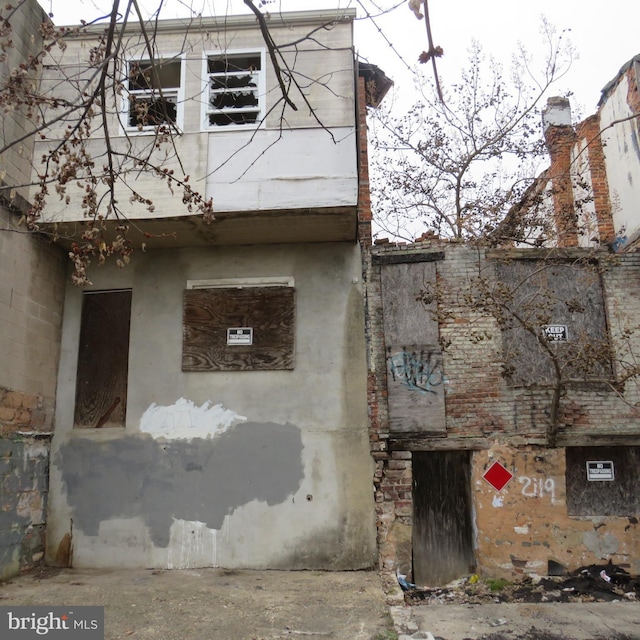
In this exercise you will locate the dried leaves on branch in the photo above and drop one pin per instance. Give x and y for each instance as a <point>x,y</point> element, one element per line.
<point>62,102</point>
<point>82,101</point>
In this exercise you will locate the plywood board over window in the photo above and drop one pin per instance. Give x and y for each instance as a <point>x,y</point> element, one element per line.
<point>415,373</point>
<point>209,313</point>
<point>592,497</point>
<point>103,360</point>
<point>542,297</point>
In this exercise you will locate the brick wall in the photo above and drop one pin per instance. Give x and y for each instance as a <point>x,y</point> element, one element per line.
<point>560,141</point>
<point>524,526</point>
<point>588,131</point>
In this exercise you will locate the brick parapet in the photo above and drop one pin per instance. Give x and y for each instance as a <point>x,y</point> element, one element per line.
<point>560,141</point>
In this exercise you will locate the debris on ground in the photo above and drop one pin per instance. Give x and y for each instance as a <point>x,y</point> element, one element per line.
<point>594,583</point>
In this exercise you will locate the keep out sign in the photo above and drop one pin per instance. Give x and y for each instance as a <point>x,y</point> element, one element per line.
<point>52,623</point>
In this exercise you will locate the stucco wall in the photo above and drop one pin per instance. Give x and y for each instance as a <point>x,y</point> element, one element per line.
<point>622,156</point>
<point>283,478</point>
<point>296,159</point>
<point>526,524</point>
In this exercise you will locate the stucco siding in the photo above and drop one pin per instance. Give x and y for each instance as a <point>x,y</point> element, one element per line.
<point>275,472</point>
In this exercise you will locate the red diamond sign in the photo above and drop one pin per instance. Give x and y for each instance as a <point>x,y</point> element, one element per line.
<point>497,476</point>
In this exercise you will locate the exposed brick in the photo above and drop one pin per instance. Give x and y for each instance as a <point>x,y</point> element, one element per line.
<point>481,407</point>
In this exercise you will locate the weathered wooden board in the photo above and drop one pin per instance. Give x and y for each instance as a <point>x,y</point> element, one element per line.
<point>208,313</point>
<point>442,527</point>
<point>617,497</point>
<point>415,376</point>
<point>569,295</point>
<point>415,389</point>
<point>103,360</point>
<point>421,443</point>
<point>407,319</point>
<point>405,258</point>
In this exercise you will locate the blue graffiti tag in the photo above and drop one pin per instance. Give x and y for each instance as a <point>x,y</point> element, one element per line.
<point>417,371</point>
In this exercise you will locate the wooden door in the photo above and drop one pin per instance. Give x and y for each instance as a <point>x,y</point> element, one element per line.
<point>103,360</point>
<point>442,526</point>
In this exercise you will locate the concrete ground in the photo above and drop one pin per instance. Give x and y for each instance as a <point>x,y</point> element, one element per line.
<point>526,621</point>
<point>216,604</point>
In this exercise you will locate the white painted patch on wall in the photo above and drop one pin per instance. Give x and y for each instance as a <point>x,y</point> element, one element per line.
<point>498,501</point>
<point>185,421</point>
<point>523,531</point>
<point>191,545</point>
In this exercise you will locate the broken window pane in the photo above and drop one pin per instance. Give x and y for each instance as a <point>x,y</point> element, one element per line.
<point>153,93</point>
<point>234,89</point>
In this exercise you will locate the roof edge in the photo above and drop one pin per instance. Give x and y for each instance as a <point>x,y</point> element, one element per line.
<point>244,21</point>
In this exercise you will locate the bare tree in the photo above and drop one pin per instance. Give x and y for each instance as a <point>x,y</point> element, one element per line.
<point>561,341</point>
<point>63,110</point>
<point>453,167</point>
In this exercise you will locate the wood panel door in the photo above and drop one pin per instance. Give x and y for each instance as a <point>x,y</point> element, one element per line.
<point>442,526</point>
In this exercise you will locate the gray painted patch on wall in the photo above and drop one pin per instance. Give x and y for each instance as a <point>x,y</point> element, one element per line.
<point>202,480</point>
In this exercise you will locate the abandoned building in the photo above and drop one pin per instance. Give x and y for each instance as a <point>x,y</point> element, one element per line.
<point>589,192</point>
<point>211,396</point>
<point>503,397</point>
<point>503,383</point>
<point>272,391</point>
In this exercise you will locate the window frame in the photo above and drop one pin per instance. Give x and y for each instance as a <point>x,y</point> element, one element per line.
<point>260,90</point>
<point>169,93</point>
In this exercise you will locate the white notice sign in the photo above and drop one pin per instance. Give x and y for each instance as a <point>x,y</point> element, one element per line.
<point>600,470</point>
<point>240,336</point>
<point>556,332</point>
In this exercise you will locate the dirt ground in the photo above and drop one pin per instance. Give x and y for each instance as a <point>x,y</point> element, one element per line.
<point>214,604</point>
<point>218,604</point>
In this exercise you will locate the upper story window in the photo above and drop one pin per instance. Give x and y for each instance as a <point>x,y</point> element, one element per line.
<point>154,93</point>
<point>234,89</point>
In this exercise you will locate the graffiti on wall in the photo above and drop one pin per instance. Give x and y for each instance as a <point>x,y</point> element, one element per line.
<point>538,487</point>
<point>417,370</point>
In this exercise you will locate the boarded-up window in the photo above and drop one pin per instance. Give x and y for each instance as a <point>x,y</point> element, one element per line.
<point>552,314</point>
<point>587,495</point>
<point>103,360</point>
<point>213,319</point>
<point>415,375</point>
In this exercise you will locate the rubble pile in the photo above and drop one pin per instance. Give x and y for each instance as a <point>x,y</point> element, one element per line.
<point>595,583</point>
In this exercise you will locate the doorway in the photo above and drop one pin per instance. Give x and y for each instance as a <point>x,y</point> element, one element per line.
<point>442,525</point>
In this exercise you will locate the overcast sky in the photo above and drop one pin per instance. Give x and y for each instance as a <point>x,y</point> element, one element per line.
<point>605,34</point>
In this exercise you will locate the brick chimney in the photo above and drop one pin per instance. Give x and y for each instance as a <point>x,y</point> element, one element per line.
<point>560,138</point>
